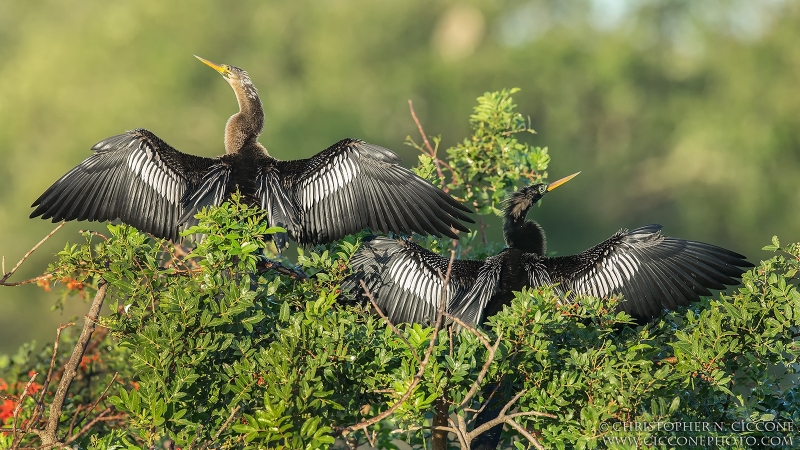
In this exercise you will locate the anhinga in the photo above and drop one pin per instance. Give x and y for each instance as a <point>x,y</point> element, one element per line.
<point>138,178</point>
<point>652,271</point>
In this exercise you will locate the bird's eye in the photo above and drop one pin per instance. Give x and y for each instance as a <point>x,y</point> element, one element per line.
<point>542,189</point>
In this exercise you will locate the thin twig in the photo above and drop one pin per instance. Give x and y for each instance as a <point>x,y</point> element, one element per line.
<point>94,405</point>
<point>49,437</point>
<point>389,322</point>
<point>224,425</point>
<point>88,425</point>
<point>525,433</point>
<point>96,340</point>
<point>53,360</point>
<point>16,438</point>
<point>74,419</point>
<point>371,438</point>
<point>28,281</point>
<point>469,328</point>
<point>6,276</point>
<point>482,374</point>
<point>196,436</point>
<point>418,376</point>
<point>490,397</point>
<point>504,418</point>
<point>95,233</point>
<point>431,151</point>
<point>512,401</point>
<point>442,409</point>
<point>98,418</point>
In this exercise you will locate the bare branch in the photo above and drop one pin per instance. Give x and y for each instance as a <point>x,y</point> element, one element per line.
<point>89,411</point>
<point>505,418</point>
<point>224,425</point>
<point>49,436</point>
<point>482,374</point>
<point>196,436</point>
<point>525,433</point>
<point>418,376</point>
<point>431,151</point>
<point>6,276</point>
<point>469,328</point>
<point>15,414</point>
<point>512,401</point>
<point>102,417</point>
<point>53,360</point>
<point>95,233</point>
<point>74,419</point>
<point>389,322</point>
<point>441,414</point>
<point>94,405</point>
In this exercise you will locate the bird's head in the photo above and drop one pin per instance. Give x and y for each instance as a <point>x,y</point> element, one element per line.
<point>518,204</point>
<point>236,77</point>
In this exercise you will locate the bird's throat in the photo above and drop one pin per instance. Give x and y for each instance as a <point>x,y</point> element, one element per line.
<point>525,235</point>
<point>244,127</point>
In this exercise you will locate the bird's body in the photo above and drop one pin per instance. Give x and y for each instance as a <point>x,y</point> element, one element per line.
<point>651,271</point>
<point>141,180</point>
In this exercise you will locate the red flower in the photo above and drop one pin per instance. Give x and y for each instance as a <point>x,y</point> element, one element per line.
<point>86,360</point>
<point>6,410</point>
<point>72,284</point>
<point>3,385</point>
<point>34,388</point>
<point>44,283</point>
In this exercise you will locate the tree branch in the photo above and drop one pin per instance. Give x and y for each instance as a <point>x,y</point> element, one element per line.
<point>16,439</point>
<point>431,151</point>
<point>224,425</point>
<point>418,376</point>
<point>389,322</point>
<point>49,435</point>
<point>525,433</point>
<point>8,275</point>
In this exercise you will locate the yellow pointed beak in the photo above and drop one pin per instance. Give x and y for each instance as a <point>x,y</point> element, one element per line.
<point>558,183</point>
<point>219,68</point>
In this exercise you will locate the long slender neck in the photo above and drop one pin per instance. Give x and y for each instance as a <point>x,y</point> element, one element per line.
<point>521,234</point>
<point>244,127</point>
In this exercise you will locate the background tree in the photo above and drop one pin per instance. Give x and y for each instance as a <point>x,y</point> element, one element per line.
<point>667,106</point>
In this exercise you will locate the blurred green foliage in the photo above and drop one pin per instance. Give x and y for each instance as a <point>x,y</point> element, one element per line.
<point>668,106</point>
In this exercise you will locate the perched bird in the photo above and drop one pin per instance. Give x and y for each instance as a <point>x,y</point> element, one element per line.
<point>138,178</point>
<point>652,271</point>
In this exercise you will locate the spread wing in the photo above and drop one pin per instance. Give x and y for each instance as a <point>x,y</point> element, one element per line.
<point>135,177</point>
<point>650,270</point>
<point>471,307</point>
<point>404,278</point>
<point>354,185</point>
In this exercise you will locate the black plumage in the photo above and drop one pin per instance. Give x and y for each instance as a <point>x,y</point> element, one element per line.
<point>138,178</point>
<point>651,271</point>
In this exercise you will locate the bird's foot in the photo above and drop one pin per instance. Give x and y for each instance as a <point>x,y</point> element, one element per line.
<point>265,264</point>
